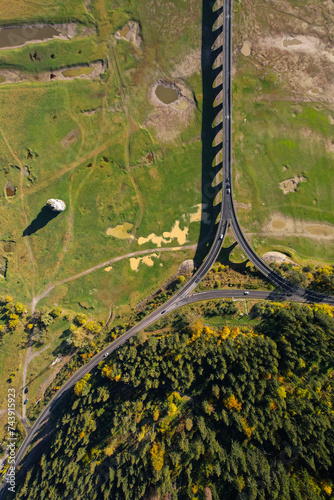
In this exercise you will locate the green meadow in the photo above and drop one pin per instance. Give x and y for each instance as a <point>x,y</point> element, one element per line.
<point>86,142</point>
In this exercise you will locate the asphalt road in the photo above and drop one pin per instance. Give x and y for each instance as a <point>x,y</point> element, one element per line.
<point>183,297</point>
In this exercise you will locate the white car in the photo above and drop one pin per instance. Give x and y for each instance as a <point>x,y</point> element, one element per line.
<point>106,354</point>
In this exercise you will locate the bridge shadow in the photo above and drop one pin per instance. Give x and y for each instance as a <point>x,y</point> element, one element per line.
<point>42,219</point>
<point>210,212</point>
<point>224,258</point>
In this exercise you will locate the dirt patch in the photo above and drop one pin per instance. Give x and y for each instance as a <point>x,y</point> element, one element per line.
<point>303,62</point>
<point>246,49</point>
<point>243,206</point>
<point>94,70</point>
<point>70,138</point>
<point>18,36</point>
<point>121,231</point>
<point>280,225</point>
<point>109,268</point>
<point>277,257</point>
<point>189,66</point>
<point>290,43</point>
<point>291,185</point>
<point>320,230</point>
<point>170,118</point>
<point>130,33</point>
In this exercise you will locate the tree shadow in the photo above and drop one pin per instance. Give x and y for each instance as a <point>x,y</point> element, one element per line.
<point>209,132</point>
<point>42,219</point>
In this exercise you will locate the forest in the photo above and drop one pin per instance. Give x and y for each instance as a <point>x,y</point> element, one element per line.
<point>192,411</point>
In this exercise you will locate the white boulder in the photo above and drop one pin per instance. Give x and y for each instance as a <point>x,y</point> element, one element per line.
<point>56,205</point>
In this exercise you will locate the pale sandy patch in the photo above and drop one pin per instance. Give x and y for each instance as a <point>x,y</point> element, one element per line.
<point>157,240</point>
<point>109,268</point>
<point>196,217</point>
<point>147,260</point>
<point>121,231</point>
<point>309,44</point>
<point>176,232</point>
<point>246,49</point>
<point>167,237</point>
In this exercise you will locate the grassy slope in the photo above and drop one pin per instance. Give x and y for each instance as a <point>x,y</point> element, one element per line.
<point>272,130</point>
<point>64,52</point>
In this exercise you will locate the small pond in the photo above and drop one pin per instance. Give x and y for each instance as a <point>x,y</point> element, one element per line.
<point>14,37</point>
<point>72,73</point>
<point>167,95</point>
<point>10,190</point>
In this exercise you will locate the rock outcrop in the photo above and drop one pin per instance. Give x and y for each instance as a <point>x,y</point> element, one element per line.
<point>56,205</point>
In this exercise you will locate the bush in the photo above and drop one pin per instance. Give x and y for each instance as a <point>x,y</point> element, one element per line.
<point>56,311</point>
<point>46,319</point>
<point>19,308</point>
<point>93,327</point>
<point>80,319</point>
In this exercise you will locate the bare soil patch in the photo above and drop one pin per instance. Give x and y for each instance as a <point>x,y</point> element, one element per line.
<point>291,185</point>
<point>91,71</point>
<point>130,33</point>
<point>277,257</point>
<point>170,119</point>
<point>280,225</point>
<point>70,138</point>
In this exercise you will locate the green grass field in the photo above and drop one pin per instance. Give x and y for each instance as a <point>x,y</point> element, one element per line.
<point>103,175</point>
